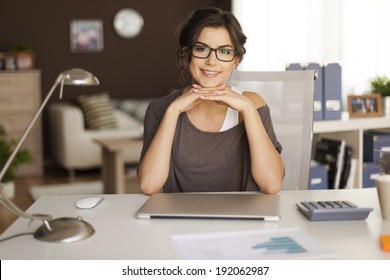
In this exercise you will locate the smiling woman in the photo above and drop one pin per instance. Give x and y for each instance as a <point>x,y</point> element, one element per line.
<point>210,136</point>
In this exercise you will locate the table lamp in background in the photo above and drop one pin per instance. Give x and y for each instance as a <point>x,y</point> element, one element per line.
<point>65,229</point>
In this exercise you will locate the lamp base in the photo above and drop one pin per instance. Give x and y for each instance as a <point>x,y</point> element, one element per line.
<point>64,230</point>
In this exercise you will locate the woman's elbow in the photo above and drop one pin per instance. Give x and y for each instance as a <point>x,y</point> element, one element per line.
<point>271,190</point>
<point>272,186</point>
<point>148,188</point>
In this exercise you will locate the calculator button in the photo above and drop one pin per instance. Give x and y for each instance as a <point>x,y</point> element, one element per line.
<point>341,204</point>
<point>333,204</point>
<point>324,204</point>
<point>316,205</point>
<point>308,205</point>
<point>350,204</point>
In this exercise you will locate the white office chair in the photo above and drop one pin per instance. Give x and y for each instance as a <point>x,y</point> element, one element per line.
<point>289,94</point>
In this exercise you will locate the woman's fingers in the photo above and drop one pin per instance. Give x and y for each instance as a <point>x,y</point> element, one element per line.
<point>199,88</point>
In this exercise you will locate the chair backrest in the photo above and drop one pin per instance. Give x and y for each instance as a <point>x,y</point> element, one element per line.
<point>289,95</point>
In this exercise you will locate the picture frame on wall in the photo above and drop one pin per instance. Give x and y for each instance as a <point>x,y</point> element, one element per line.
<point>86,36</point>
<point>362,106</point>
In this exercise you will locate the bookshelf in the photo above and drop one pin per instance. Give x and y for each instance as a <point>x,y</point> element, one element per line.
<point>351,130</point>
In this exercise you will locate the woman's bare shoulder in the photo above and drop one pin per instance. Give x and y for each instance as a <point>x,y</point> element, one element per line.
<point>256,98</point>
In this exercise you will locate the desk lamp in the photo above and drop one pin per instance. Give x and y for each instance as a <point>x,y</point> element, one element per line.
<point>65,229</point>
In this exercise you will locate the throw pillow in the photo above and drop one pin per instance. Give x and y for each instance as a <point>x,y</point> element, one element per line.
<point>133,107</point>
<point>98,111</point>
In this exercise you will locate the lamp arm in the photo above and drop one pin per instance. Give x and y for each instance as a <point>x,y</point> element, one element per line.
<point>11,207</point>
<point>60,229</point>
<point>4,200</point>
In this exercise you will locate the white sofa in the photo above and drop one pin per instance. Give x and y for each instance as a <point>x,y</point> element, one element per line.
<point>73,146</point>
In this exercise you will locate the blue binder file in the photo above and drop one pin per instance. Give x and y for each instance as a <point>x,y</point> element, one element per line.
<point>318,176</point>
<point>332,91</point>
<point>318,91</point>
<point>294,66</point>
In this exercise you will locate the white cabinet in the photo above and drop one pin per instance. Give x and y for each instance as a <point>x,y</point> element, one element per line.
<point>351,130</point>
<point>20,97</point>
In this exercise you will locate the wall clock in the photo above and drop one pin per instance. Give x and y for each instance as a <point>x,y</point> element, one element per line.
<point>128,23</point>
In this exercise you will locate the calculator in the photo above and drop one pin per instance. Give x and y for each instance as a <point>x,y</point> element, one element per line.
<point>333,210</point>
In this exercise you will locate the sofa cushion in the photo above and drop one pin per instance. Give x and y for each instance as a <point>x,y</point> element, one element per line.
<point>133,107</point>
<point>98,111</point>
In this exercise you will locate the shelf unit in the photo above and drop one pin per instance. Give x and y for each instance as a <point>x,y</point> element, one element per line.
<point>351,130</point>
<point>20,96</point>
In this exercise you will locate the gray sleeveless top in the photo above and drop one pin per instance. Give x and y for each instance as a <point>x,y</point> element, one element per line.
<point>206,161</point>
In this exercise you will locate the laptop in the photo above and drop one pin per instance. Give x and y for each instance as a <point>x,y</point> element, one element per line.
<point>211,206</point>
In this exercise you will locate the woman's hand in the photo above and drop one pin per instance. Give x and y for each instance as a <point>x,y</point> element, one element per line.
<point>188,100</point>
<point>225,95</point>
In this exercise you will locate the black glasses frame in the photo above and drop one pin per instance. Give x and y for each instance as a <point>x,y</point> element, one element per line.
<point>213,50</point>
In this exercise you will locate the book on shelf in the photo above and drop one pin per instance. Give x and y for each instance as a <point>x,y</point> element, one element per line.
<point>331,152</point>
<point>346,169</point>
<point>352,174</point>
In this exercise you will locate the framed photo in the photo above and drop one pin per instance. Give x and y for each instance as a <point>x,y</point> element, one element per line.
<point>86,35</point>
<point>25,59</point>
<point>364,106</point>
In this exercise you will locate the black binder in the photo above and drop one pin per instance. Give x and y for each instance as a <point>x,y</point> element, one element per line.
<point>331,152</point>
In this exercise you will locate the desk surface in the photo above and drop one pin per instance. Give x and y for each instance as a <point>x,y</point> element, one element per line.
<point>119,235</point>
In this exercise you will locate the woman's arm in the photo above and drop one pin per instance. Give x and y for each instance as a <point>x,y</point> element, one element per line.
<point>154,167</point>
<point>266,164</point>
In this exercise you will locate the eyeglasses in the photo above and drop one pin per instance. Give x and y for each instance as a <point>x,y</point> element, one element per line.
<point>222,54</point>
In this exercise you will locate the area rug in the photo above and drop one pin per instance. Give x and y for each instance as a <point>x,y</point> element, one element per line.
<point>92,187</point>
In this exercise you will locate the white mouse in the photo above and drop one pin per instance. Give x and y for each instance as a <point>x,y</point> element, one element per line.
<point>88,202</point>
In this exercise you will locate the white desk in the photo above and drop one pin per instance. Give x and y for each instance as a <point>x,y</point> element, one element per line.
<point>121,236</point>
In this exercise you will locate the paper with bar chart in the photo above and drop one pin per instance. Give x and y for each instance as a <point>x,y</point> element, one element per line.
<point>281,243</point>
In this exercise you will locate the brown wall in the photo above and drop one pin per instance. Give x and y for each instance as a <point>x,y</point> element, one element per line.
<point>140,67</point>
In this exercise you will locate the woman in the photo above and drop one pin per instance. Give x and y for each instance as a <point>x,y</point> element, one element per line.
<point>210,136</point>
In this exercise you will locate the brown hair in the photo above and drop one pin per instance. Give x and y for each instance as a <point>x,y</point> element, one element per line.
<point>190,30</point>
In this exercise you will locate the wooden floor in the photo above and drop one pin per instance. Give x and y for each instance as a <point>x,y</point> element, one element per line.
<point>53,175</point>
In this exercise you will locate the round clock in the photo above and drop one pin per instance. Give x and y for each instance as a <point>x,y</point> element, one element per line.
<point>128,23</point>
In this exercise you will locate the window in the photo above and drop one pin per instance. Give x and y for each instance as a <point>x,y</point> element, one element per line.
<point>351,32</point>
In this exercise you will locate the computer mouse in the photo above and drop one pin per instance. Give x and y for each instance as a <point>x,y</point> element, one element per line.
<point>88,202</point>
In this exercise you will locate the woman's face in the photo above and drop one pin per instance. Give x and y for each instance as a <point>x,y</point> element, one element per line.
<point>211,72</point>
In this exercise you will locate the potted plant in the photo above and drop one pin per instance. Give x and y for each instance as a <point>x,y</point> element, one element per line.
<point>24,55</point>
<point>381,85</point>
<point>23,156</point>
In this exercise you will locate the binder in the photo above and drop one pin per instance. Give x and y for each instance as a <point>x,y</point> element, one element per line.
<point>318,91</point>
<point>318,176</point>
<point>370,172</point>
<point>332,91</point>
<point>352,174</point>
<point>374,142</point>
<point>346,170</point>
<point>294,66</point>
<point>331,152</point>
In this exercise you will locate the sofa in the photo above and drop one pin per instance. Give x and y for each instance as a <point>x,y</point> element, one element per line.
<point>72,142</point>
